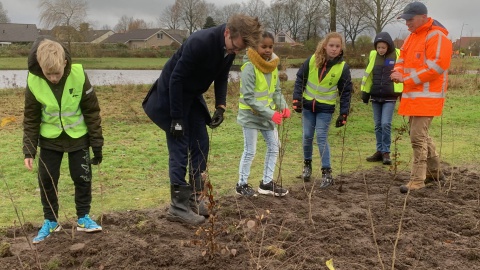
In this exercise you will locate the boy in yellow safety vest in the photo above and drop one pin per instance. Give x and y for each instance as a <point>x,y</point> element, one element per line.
<point>61,115</point>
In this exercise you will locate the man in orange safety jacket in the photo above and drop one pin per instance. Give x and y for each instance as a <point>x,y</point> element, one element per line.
<point>423,68</point>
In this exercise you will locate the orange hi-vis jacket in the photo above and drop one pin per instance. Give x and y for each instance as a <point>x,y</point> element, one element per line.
<point>424,61</point>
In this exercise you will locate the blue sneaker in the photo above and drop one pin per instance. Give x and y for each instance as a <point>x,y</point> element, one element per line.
<point>47,228</point>
<point>86,224</point>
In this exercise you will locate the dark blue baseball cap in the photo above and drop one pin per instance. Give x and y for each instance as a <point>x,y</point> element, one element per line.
<point>412,9</point>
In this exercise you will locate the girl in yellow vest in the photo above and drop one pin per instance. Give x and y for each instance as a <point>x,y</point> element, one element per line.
<point>383,92</point>
<point>261,108</point>
<point>320,80</point>
<point>61,115</point>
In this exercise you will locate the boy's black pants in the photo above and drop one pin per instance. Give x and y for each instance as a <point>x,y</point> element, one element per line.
<point>49,173</point>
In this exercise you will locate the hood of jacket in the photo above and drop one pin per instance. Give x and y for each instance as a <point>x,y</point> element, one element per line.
<point>384,37</point>
<point>34,66</point>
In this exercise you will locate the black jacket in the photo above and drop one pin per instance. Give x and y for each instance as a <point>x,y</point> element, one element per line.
<point>382,86</point>
<point>199,62</point>
<point>33,113</point>
<point>344,87</point>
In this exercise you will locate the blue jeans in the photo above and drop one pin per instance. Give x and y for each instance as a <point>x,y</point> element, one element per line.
<point>320,123</point>
<point>382,116</point>
<point>249,150</point>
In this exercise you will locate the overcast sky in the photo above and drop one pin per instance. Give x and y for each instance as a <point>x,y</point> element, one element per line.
<point>452,14</point>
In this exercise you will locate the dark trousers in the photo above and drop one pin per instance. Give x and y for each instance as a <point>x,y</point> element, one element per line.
<point>189,150</point>
<point>49,173</point>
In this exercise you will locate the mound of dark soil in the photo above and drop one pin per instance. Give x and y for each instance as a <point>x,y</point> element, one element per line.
<point>362,222</point>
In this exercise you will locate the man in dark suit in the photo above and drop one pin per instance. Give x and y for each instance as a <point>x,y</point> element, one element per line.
<point>176,104</point>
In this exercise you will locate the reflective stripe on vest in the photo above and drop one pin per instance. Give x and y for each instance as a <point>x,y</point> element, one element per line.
<point>414,74</point>
<point>68,116</point>
<point>367,80</point>
<point>263,91</point>
<point>326,90</point>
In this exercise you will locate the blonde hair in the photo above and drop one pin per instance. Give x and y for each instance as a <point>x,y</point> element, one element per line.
<point>249,28</point>
<point>50,56</point>
<point>320,52</point>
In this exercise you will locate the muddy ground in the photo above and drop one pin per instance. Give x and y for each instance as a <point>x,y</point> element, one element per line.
<point>362,222</point>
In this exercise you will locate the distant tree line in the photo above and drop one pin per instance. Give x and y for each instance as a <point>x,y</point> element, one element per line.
<point>303,20</point>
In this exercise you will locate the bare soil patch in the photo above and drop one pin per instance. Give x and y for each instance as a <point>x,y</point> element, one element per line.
<point>356,223</point>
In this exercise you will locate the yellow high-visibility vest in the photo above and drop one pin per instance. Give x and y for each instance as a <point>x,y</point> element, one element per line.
<point>66,116</point>
<point>263,92</point>
<point>367,80</point>
<point>324,91</point>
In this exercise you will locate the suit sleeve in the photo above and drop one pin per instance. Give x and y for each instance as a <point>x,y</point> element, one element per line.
<point>193,53</point>
<point>221,84</point>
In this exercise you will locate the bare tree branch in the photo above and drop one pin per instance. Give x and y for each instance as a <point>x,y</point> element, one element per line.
<point>63,12</point>
<point>221,15</point>
<point>351,20</point>
<point>193,13</point>
<point>380,13</point>
<point>3,15</point>
<point>170,17</point>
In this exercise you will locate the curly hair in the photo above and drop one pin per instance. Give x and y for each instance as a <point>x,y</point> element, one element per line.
<point>321,53</point>
<point>249,28</point>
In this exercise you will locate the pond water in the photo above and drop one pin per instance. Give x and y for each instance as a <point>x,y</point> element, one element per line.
<point>18,78</point>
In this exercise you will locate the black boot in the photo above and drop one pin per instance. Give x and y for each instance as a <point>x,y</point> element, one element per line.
<point>375,157</point>
<point>179,210</point>
<point>307,170</point>
<point>197,201</point>
<point>327,178</point>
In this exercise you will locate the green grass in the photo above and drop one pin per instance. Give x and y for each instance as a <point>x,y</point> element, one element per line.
<point>134,172</point>
<point>460,64</point>
<point>95,63</point>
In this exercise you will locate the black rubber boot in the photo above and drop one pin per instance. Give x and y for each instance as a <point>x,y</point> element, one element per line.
<point>327,178</point>
<point>179,210</point>
<point>197,201</point>
<point>307,170</point>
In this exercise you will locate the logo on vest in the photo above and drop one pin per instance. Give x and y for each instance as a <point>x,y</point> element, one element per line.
<point>71,92</point>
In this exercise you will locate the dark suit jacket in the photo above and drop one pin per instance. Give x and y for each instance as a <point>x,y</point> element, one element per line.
<point>187,75</point>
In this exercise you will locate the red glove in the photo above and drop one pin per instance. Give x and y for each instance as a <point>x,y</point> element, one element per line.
<point>277,118</point>
<point>286,113</point>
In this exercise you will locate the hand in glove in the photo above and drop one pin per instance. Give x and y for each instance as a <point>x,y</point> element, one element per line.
<point>97,156</point>
<point>176,128</point>
<point>297,106</point>
<point>277,118</point>
<point>341,120</point>
<point>365,97</point>
<point>217,117</point>
<point>286,113</point>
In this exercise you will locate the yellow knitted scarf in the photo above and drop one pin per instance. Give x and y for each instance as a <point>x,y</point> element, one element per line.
<point>260,63</point>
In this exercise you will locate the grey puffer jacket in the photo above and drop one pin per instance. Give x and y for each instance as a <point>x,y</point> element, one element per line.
<point>33,113</point>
